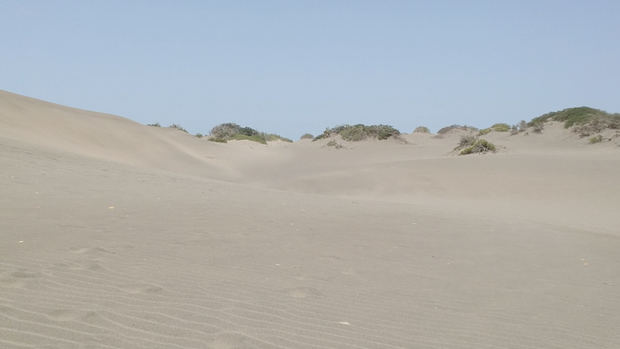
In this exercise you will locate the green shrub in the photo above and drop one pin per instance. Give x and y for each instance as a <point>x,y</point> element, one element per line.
<point>199,135</point>
<point>456,127</point>
<point>154,125</point>
<point>231,131</point>
<point>360,132</point>
<point>307,136</point>
<point>479,146</point>
<point>596,139</point>
<point>421,129</point>
<point>226,130</point>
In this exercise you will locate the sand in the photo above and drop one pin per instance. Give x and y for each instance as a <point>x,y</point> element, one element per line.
<point>119,235</point>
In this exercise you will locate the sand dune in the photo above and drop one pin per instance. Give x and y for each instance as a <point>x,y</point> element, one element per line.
<point>119,235</point>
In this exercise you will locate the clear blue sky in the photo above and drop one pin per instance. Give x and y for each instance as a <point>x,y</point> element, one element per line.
<point>299,66</point>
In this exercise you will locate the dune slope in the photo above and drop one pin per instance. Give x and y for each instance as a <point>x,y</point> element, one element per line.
<point>108,243</point>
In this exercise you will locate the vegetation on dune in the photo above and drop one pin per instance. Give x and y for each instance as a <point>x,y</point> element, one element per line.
<point>421,129</point>
<point>584,120</point>
<point>473,145</point>
<point>307,136</point>
<point>501,127</point>
<point>178,127</point>
<point>359,132</point>
<point>231,131</point>
<point>154,125</point>
<point>456,127</point>
<point>198,135</point>
<point>334,144</point>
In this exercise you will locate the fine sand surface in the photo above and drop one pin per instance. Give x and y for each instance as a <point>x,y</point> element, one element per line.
<point>119,235</point>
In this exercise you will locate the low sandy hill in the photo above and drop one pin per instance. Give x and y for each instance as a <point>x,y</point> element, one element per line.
<point>116,235</point>
<point>63,129</point>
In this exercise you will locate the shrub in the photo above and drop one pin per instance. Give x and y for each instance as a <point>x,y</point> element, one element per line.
<point>360,132</point>
<point>306,136</point>
<point>178,127</point>
<point>154,125</point>
<point>522,126</point>
<point>596,139</point>
<point>226,130</point>
<point>198,135</point>
<point>484,132</point>
<point>479,146</point>
<point>501,127</point>
<point>586,120</point>
<point>466,141</point>
<point>456,127</point>
<point>421,129</point>
<point>231,131</point>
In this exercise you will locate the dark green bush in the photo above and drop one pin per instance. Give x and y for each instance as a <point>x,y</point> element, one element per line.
<point>306,136</point>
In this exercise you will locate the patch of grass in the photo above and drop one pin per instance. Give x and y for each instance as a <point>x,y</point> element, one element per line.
<point>359,132</point>
<point>254,138</point>
<point>484,131</point>
<point>421,129</point>
<point>479,146</point>
<point>198,135</point>
<point>501,127</point>
<point>596,139</point>
<point>307,136</point>
<point>154,125</point>
<point>271,137</point>
<point>218,140</point>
